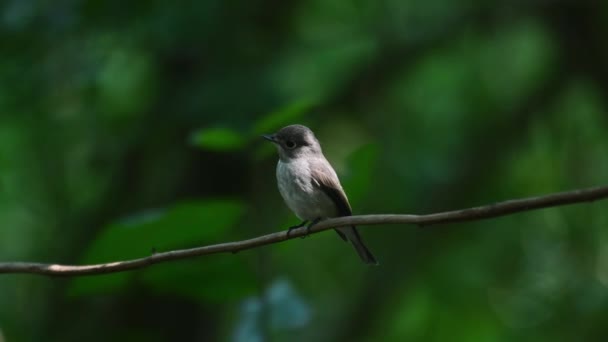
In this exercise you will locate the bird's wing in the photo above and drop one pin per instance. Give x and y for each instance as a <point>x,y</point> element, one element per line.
<point>325,179</point>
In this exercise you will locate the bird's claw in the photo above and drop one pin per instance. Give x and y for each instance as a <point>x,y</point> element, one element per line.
<point>308,227</point>
<point>295,227</point>
<point>303,224</point>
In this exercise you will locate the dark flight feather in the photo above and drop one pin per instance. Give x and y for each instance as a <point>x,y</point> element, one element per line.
<point>334,190</point>
<point>337,195</point>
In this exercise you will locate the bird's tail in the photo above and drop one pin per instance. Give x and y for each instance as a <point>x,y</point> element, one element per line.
<point>364,253</point>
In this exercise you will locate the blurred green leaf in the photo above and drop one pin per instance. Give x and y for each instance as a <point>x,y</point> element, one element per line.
<point>533,60</point>
<point>282,117</point>
<point>217,279</point>
<point>411,318</point>
<point>110,283</point>
<point>126,82</point>
<point>218,139</point>
<point>185,224</point>
<point>361,165</point>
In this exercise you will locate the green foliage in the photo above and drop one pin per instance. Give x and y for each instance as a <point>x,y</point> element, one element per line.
<point>361,176</point>
<point>116,109</point>
<point>140,235</point>
<point>217,280</point>
<point>284,116</point>
<point>218,139</point>
<point>125,83</point>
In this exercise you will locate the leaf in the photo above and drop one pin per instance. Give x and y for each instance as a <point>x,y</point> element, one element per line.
<point>282,117</point>
<point>218,139</point>
<point>185,224</point>
<point>218,279</point>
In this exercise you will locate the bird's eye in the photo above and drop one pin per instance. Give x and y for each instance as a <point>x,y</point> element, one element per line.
<point>290,144</point>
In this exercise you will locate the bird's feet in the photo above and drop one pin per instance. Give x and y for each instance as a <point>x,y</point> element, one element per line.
<point>296,227</point>
<point>315,221</point>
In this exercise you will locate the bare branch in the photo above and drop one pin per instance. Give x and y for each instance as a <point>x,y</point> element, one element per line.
<point>470,214</point>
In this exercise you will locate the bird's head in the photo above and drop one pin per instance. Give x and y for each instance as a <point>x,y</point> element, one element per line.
<point>295,141</point>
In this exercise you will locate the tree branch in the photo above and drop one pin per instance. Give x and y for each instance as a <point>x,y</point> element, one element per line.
<point>470,214</point>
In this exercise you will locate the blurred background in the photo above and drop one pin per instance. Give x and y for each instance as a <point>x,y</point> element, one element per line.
<point>132,126</point>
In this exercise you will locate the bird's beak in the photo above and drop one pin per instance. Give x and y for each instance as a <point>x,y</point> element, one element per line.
<point>270,137</point>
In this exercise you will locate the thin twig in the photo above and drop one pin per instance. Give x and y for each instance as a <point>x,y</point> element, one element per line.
<point>470,214</point>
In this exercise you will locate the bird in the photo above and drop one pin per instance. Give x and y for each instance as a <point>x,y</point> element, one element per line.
<point>309,185</point>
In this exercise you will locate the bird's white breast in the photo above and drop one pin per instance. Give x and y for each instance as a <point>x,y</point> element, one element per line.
<point>296,186</point>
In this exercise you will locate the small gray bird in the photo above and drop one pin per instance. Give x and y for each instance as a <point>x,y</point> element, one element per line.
<point>310,186</point>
